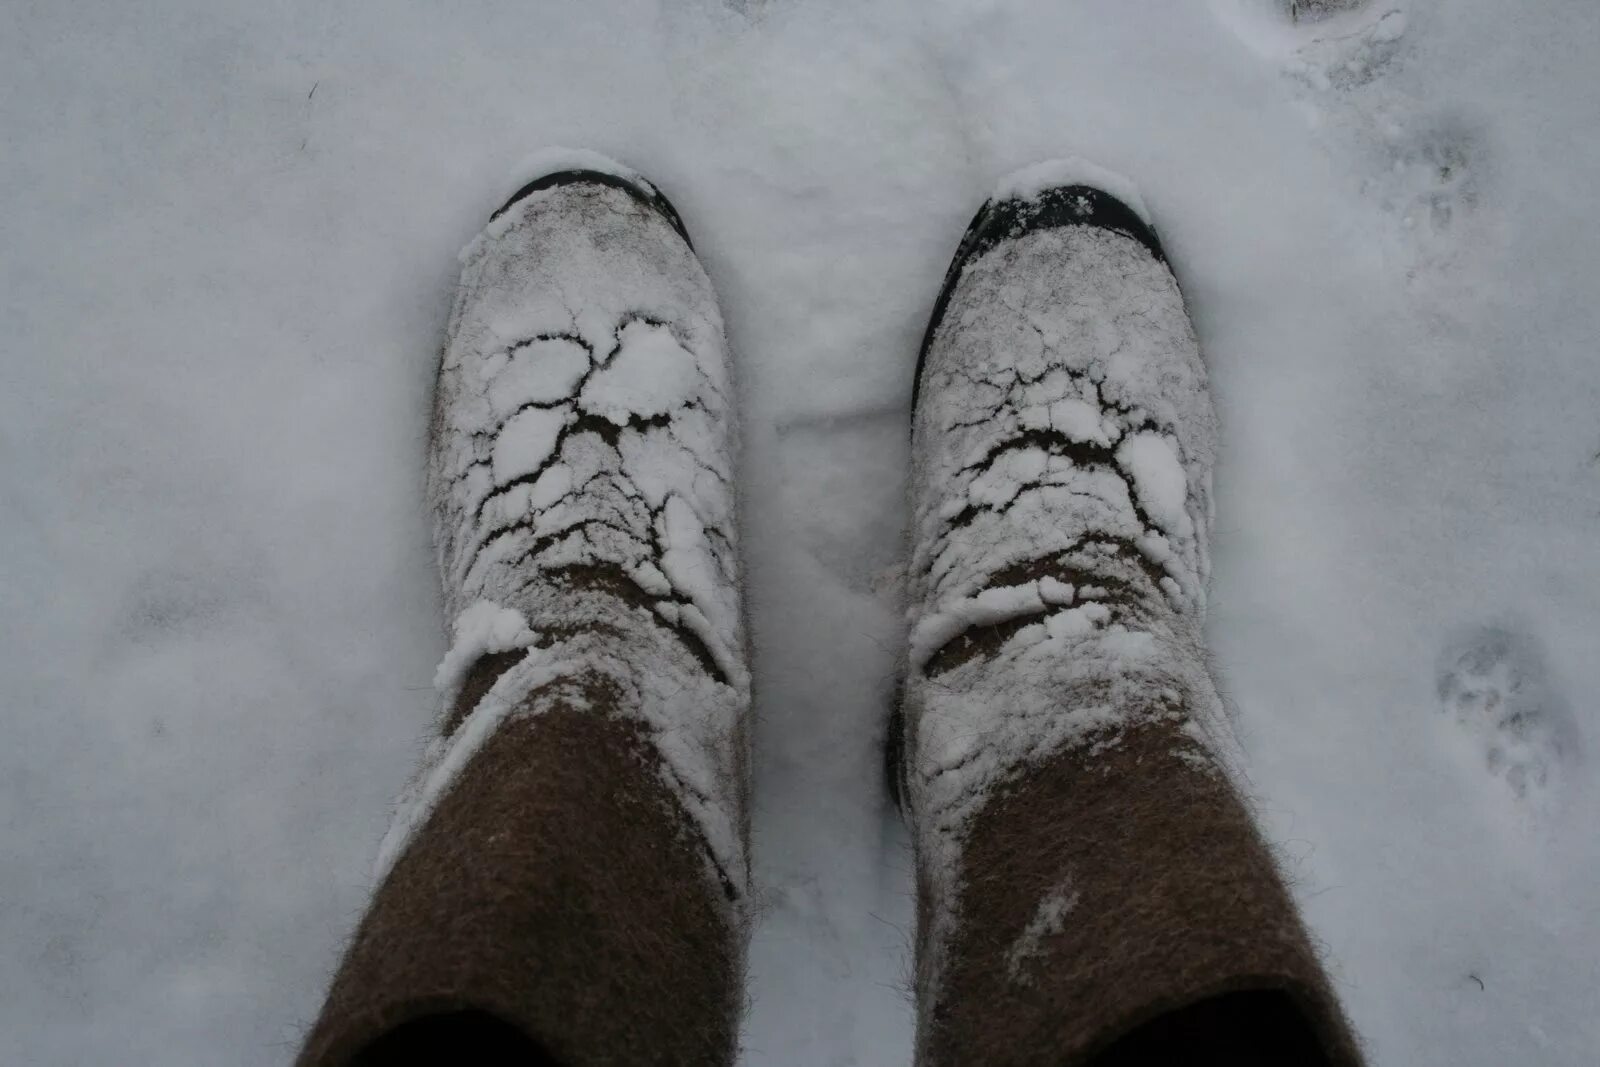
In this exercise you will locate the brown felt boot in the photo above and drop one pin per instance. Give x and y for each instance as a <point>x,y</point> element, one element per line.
<point>566,881</point>
<point>1092,889</point>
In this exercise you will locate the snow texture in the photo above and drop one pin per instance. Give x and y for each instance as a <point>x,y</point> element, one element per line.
<point>1493,687</point>
<point>482,628</point>
<point>228,238</point>
<point>584,506</point>
<point>1028,182</point>
<point>1058,566</point>
<point>1049,919</point>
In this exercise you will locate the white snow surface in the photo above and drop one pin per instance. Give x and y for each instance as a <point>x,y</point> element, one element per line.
<point>228,238</point>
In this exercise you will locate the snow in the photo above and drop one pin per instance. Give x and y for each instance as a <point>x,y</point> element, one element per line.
<point>1077,418</point>
<point>649,365</point>
<point>482,628</point>
<point>542,372</point>
<point>553,160</point>
<point>525,442</point>
<point>990,606</point>
<point>1158,479</point>
<point>1032,180</point>
<point>228,259</point>
<point>1391,27</point>
<point>1048,920</point>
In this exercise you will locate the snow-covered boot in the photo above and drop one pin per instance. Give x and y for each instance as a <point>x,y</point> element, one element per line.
<point>572,859</point>
<point>1086,866</point>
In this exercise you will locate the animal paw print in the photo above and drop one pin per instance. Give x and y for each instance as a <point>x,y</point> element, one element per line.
<point>1349,51</point>
<point>1491,683</point>
<point>1430,185</point>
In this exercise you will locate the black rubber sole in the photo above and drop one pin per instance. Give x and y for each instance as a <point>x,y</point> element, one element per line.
<point>650,197</point>
<point>996,221</point>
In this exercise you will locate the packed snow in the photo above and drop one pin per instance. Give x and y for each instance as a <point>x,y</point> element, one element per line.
<point>229,257</point>
<point>483,627</point>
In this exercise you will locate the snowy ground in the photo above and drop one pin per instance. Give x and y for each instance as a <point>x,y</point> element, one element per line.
<point>228,237</point>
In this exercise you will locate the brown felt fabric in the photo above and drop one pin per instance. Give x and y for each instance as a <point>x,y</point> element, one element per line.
<point>558,887</point>
<point>1178,903</point>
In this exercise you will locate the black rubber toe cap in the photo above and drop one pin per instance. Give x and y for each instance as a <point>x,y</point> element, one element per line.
<point>1007,220</point>
<point>645,193</point>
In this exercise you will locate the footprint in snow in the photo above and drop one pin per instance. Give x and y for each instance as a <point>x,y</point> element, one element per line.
<point>1423,168</point>
<point>1429,180</point>
<point>1493,686</point>
<point>1348,51</point>
<point>1330,43</point>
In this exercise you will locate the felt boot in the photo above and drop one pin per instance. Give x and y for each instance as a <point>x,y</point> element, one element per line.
<point>566,880</point>
<point>1091,884</point>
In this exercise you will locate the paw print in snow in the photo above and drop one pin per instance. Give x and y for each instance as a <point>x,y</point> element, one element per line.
<point>1491,683</point>
<point>1432,184</point>
<point>1348,51</point>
